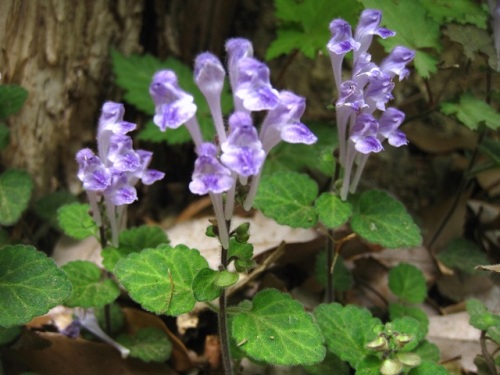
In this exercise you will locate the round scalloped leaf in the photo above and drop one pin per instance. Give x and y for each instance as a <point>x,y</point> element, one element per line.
<point>208,284</point>
<point>408,283</point>
<point>347,330</point>
<point>277,331</point>
<point>160,279</point>
<point>332,211</point>
<point>90,288</point>
<point>382,220</point>
<point>30,284</point>
<point>133,240</point>
<point>149,344</point>
<point>15,193</point>
<point>287,198</point>
<point>75,220</point>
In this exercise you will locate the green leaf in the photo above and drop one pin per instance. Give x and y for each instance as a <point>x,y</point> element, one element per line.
<point>116,315</point>
<point>47,206</point>
<point>411,327</point>
<point>414,29</point>
<point>15,193</point>
<point>463,255</point>
<point>342,277</point>
<point>408,283</point>
<point>148,344</point>
<point>480,317</point>
<point>428,368</point>
<point>427,351</point>
<point>241,254</point>
<point>160,279</point>
<point>494,333</point>
<point>12,98</point>
<point>471,112</point>
<point>370,365</point>
<point>287,198</point>
<point>133,240</point>
<point>76,221</point>
<point>298,157</point>
<point>277,331</point>
<point>90,287</point>
<point>475,42</point>
<point>457,11</point>
<point>208,284</point>
<point>4,136</point>
<point>383,220</point>
<point>4,237</point>
<point>8,335</point>
<point>142,237</point>
<point>304,24</point>
<point>330,365</point>
<point>332,211</point>
<point>347,330</point>
<point>398,310</point>
<point>30,284</point>
<point>134,74</point>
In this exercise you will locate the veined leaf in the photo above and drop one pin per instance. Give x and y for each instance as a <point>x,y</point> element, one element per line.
<point>15,194</point>
<point>287,198</point>
<point>161,279</point>
<point>278,331</point>
<point>30,284</point>
<point>383,220</point>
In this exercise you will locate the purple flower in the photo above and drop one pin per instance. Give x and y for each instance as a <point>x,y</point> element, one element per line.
<point>364,134</point>
<point>112,175</point>
<point>209,175</point>
<point>174,106</point>
<point>237,49</point>
<point>351,96</point>
<point>121,155</point>
<point>283,123</point>
<point>389,124</point>
<point>340,43</point>
<point>395,63</point>
<point>253,86</point>
<point>379,91</point>
<point>120,192</point>
<point>92,172</point>
<point>242,152</point>
<point>368,89</point>
<point>342,40</point>
<point>209,74</point>
<point>368,26</point>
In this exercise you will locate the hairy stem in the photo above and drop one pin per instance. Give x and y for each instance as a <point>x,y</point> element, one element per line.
<point>223,321</point>
<point>487,356</point>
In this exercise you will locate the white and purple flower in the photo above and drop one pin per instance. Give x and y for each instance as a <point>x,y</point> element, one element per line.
<point>367,90</point>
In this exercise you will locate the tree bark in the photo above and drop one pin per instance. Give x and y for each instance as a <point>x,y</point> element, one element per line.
<point>59,51</point>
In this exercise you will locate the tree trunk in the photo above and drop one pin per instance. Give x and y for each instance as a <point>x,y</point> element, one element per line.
<point>59,51</point>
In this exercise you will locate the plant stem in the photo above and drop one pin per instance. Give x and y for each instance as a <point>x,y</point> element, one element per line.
<point>227,363</point>
<point>330,244</point>
<point>107,308</point>
<point>487,357</point>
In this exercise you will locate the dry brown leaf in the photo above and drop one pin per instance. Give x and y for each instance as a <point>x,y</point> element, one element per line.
<point>265,234</point>
<point>455,337</point>
<point>75,356</point>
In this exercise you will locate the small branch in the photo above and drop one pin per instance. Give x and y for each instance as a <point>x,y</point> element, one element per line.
<point>487,357</point>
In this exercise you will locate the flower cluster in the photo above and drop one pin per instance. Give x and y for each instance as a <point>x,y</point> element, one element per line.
<point>368,89</point>
<point>240,149</point>
<point>112,174</point>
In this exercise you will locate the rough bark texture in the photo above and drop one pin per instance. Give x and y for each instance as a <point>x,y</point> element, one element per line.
<point>59,51</point>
